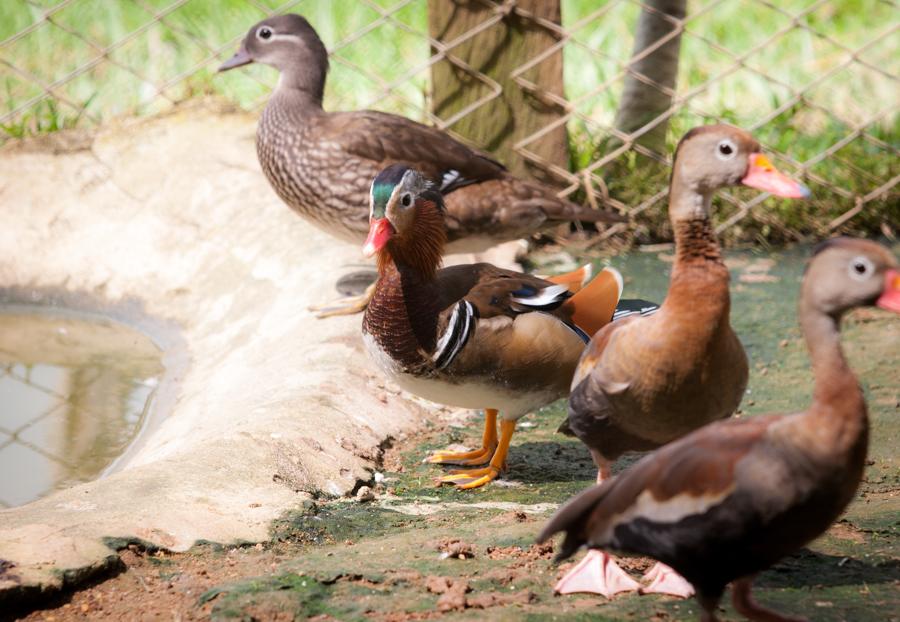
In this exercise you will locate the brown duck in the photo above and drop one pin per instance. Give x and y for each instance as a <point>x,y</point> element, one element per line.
<point>645,381</point>
<point>472,336</point>
<point>321,163</point>
<point>731,499</point>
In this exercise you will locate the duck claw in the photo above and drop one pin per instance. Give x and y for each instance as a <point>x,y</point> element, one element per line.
<point>474,478</point>
<point>351,305</point>
<point>465,458</point>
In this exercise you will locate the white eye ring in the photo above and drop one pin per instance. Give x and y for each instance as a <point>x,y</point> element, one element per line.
<point>406,199</point>
<point>860,268</point>
<point>726,149</point>
<point>265,33</point>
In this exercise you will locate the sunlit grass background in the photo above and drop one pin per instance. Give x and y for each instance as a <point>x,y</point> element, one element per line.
<point>142,56</point>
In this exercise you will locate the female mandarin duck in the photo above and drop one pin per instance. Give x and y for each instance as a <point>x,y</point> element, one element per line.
<point>473,336</point>
<point>645,381</point>
<point>321,163</point>
<point>731,499</point>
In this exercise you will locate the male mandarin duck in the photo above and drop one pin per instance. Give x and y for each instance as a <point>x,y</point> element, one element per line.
<point>645,381</point>
<point>321,163</point>
<point>730,499</point>
<point>472,336</point>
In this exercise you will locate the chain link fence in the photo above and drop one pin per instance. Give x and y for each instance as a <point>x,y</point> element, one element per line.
<point>817,81</point>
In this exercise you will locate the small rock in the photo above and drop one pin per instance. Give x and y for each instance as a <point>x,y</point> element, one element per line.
<point>365,494</point>
<point>455,548</point>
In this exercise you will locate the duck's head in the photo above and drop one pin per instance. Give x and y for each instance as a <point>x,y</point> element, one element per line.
<point>849,272</point>
<point>406,218</point>
<point>289,44</point>
<point>717,156</point>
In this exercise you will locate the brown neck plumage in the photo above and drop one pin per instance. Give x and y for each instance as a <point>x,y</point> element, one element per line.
<point>420,248</point>
<point>403,313</point>
<point>838,405</point>
<point>699,282</point>
<point>695,241</point>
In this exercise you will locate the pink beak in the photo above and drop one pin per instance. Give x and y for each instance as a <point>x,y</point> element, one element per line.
<point>890,298</point>
<point>380,231</point>
<point>763,176</point>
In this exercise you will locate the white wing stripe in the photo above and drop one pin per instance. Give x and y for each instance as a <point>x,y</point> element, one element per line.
<point>455,336</point>
<point>543,297</point>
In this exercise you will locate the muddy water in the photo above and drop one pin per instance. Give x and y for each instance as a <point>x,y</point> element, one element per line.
<point>74,393</point>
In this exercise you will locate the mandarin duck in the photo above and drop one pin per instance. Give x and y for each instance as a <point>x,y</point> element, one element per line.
<point>471,336</point>
<point>645,381</point>
<point>730,499</point>
<point>321,163</point>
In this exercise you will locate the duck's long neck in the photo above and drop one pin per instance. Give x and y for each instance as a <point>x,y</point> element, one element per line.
<point>838,412</point>
<point>295,97</point>
<point>699,276</point>
<point>304,80</point>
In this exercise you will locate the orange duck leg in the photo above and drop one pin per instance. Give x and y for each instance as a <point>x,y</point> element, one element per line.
<point>474,478</point>
<point>478,456</point>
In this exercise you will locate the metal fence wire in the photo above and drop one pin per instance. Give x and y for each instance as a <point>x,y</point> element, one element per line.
<point>817,81</point>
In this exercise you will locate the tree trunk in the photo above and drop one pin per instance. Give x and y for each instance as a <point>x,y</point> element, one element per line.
<point>642,102</point>
<point>499,123</point>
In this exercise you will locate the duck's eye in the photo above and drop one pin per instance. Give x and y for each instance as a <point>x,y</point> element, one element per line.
<point>264,33</point>
<point>861,268</point>
<point>726,149</point>
<point>406,200</point>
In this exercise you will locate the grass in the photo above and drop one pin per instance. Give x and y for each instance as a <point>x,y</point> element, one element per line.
<point>729,70</point>
<point>369,561</point>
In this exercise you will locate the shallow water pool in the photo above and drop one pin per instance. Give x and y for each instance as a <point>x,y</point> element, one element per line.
<point>75,391</point>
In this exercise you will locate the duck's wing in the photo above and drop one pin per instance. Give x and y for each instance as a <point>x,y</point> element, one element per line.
<point>482,197</point>
<point>484,299</point>
<point>386,139</point>
<point>708,478</point>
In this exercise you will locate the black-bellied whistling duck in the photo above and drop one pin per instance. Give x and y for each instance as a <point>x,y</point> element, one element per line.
<point>645,381</point>
<point>472,336</point>
<point>732,498</point>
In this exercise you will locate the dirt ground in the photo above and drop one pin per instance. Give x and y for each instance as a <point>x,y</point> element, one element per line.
<point>417,552</point>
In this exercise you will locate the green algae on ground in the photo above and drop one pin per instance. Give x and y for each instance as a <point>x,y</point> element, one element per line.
<point>353,561</point>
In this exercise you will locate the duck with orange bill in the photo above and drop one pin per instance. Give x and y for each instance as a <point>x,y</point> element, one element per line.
<point>645,381</point>
<point>471,336</point>
<point>730,499</point>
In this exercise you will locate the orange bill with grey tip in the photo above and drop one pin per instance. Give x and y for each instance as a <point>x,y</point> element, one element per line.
<point>763,176</point>
<point>380,231</point>
<point>890,297</point>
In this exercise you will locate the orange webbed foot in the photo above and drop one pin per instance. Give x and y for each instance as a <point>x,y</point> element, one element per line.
<point>472,478</point>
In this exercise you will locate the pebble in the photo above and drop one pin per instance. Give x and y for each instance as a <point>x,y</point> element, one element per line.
<point>365,494</point>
